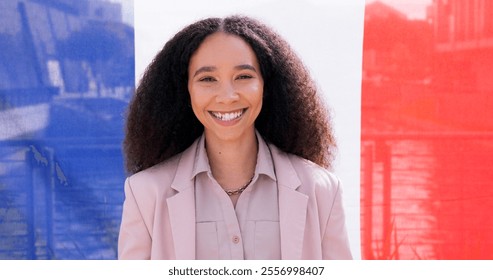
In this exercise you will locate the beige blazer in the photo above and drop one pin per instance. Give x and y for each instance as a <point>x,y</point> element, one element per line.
<point>158,220</point>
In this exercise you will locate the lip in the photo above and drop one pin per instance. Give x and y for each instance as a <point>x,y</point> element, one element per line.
<point>227,118</point>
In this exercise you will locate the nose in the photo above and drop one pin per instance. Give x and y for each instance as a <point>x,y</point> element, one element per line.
<point>227,93</point>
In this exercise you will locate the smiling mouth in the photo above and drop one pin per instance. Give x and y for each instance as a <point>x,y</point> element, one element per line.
<point>229,116</point>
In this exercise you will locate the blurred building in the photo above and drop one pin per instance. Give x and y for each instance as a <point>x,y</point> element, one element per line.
<point>39,37</point>
<point>378,49</point>
<point>66,74</point>
<point>395,47</point>
<point>463,60</point>
<point>426,132</point>
<point>396,57</point>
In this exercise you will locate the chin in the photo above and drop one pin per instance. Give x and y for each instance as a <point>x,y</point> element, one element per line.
<point>231,134</point>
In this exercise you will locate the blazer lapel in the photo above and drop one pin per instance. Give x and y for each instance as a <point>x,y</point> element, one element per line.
<point>292,206</point>
<point>181,207</point>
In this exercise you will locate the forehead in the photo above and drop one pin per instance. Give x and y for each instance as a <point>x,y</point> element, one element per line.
<point>220,48</point>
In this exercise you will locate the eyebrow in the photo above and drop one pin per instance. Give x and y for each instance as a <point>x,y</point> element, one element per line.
<point>245,67</point>
<point>204,69</point>
<point>213,68</point>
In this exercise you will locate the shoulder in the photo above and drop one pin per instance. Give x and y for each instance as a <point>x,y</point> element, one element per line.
<point>149,183</point>
<point>312,174</point>
<point>313,177</point>
<point>160,172</point>
<point>165,172</point>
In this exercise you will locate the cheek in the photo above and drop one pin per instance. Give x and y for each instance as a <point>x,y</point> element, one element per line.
<point>200,98</point>
<point>256,99</point>
<point>258,94</point>
<point>254,90</point>
<point>197,108</point>
<point>195,95</point>
<point>194,99</point>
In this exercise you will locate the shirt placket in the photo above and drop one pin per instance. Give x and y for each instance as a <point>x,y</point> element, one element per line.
<point>233,232</point>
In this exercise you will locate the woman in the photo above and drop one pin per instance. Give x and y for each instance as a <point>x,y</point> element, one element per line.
<point>228,143</point>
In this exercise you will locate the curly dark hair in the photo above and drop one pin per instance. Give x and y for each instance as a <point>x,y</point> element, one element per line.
<point>161,123</point>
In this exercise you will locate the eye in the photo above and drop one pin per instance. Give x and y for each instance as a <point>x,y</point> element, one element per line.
<point>244,76</point>
<point>207,79</point>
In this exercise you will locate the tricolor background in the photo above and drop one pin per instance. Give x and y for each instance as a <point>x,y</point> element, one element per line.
<point>409,84</point>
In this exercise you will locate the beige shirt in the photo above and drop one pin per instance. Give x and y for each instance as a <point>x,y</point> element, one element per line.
<point>244,232</point>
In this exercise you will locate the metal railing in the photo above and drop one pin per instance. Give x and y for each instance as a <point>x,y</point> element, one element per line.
<point>377,157</point>
<point>51,199</point>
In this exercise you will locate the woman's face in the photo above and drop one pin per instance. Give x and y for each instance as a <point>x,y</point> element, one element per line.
<point>226,86</point>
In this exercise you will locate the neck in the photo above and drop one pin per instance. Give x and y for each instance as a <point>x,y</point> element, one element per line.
<point>232,162</point>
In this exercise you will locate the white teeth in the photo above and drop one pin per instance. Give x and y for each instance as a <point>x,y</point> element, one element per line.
<point>227,116</point>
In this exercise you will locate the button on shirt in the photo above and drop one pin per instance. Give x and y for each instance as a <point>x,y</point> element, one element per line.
<point>249,231</point>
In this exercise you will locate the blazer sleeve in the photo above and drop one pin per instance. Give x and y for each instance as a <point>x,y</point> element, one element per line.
<point>335,242</point>
<point>134,241</point>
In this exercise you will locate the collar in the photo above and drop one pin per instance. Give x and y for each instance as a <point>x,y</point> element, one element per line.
<point>264,159</point>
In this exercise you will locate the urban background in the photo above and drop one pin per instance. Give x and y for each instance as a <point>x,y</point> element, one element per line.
<point>427,131</point>
<point>66,75</point>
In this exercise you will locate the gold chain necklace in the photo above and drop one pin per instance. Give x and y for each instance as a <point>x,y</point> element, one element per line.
<point>241,189</point>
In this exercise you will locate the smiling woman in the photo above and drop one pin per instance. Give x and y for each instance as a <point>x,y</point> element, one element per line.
<point>226,98</point>
<point>226,90</point>
<point>228,144</point>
